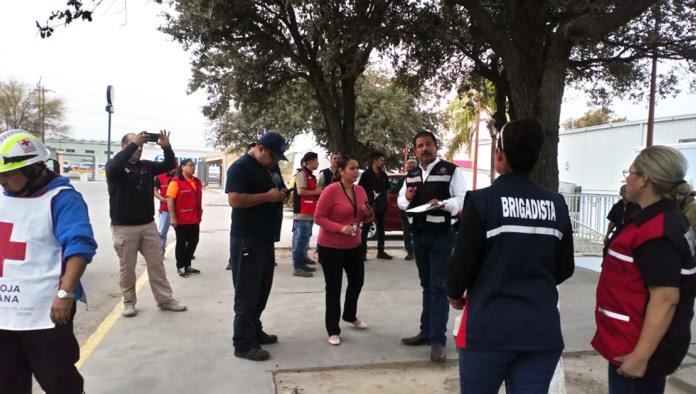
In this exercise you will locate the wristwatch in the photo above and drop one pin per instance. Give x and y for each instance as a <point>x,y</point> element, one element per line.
<point>62,294</point>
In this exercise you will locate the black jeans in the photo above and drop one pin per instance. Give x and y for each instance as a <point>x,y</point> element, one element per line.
<point>49,354</point>
<point>253,263</point>
<point>333,262</point>
<point>379,222</point>
<point>186,242</point>
<point>646,385</point>
<point>406,228</point>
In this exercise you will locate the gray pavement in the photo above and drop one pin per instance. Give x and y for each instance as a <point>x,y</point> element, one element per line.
<point>191,352</point>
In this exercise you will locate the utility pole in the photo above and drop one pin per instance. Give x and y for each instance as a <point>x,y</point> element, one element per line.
<point>653,79</point>
<point>476,143</point>
<point>41,108</point>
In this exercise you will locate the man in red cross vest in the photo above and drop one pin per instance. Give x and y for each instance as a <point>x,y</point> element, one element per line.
<point>46,241</point>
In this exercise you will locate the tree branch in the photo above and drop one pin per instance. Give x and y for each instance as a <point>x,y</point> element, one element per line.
<point>595,26</point>
<point>488,27</point>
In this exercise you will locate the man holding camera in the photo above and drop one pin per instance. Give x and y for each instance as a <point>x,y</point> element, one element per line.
<point>132,209</point>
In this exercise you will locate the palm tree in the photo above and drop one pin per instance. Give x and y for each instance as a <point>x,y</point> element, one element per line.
<point>462,113</point>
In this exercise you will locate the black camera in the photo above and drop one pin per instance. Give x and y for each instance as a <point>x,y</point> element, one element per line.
<point>152,137</point>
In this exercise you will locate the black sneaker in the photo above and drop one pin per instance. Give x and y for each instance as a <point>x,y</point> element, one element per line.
<point>417,340</point>
<point>267,339</point>
<point>410,256</point>
<point>229,267</point>
<point>302,273</point>
<point>256,354</point>
<point>384,256</point>
<point>193,257</point>
<point>309,261</point>
<point>307,268</point>
<point>192,270</point>
<point>182,272</point>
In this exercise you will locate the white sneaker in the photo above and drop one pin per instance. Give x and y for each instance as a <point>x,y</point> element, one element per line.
<point>173,306</point>
<point>334,340</point>
<point>129,310</point>
<point>360,324</point>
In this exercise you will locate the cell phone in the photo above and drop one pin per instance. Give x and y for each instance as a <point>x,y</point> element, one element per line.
<point>152,137</point>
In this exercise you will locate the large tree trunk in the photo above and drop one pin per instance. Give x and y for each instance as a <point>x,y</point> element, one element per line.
<point>338,107</point>
<point>537,81</point>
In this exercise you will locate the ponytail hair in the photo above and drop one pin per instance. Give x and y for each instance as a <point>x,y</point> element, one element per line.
<point>180,168</point>
<point>342,164</point>
<point>666,168</point>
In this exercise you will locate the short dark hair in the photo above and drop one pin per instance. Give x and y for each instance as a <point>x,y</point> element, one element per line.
<point>424,133</point>
<point>125,140</point>
<point>251,145</point>
<point>376,155</point>
<point>309,156</point>
<point>521,141</point>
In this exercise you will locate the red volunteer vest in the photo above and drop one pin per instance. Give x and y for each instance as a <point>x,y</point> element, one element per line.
<point>188,202</point>
<point>164,180</point>
<point>621,292</point>
<point>308,204</point>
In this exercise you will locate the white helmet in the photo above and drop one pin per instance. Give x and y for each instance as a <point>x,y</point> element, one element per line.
<point>19,148</point>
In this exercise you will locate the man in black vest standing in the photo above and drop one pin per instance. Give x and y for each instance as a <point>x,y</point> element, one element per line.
<point>376,184</point>
<point>328,174</point>
<point>441,185</point>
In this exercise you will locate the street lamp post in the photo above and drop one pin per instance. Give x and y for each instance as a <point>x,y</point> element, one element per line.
<point>110,110</point>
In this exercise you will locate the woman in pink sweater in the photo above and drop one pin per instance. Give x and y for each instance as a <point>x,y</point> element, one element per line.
<point>340,212</point>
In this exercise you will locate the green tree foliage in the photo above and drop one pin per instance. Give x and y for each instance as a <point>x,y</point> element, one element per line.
<point>530,50</point>
<point>596,117</point>
<point>461,114</point>
<point>20,109</point>
<point>247,52</point>
<point>387,117</point>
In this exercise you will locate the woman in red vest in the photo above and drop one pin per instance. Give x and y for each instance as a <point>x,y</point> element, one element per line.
<point>645,294</point>
<point>185,202</point>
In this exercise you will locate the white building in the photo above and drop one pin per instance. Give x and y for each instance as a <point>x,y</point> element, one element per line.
<point>592,158</point>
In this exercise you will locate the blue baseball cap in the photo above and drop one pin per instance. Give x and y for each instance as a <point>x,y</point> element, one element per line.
<point>275,143</point>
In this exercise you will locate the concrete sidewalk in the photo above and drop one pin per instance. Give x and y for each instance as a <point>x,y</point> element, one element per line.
<point>191,352</point>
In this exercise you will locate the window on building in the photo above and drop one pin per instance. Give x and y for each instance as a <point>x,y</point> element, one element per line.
<point>70,150</point>
<point>89,150</point>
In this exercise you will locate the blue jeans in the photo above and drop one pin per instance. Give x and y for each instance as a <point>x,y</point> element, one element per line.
<point>163,228</point>
<point>646,385</point>
<point>433,250</point>
<point>301,233</point>
<point>482,372</point>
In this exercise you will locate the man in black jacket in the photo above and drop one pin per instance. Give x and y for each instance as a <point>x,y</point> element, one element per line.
<point>376,184</point>
<point>132,210</point>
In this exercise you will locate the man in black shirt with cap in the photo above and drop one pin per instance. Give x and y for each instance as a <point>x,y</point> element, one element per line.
<point>256,192</point>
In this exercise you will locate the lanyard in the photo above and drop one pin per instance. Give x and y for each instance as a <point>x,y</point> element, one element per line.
<point>353,202</point>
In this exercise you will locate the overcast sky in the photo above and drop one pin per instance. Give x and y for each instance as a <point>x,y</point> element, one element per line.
<point>149,71</point>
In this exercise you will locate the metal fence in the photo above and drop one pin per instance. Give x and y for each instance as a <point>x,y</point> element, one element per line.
<point>588,214</point>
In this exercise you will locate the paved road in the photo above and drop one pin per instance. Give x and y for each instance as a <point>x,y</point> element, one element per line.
<point>101,277</point>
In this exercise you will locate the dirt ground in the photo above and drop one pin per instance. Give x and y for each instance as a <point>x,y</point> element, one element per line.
<point>584,374</point>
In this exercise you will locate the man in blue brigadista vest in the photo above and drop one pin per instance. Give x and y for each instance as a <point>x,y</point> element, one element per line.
<point>441,184</point>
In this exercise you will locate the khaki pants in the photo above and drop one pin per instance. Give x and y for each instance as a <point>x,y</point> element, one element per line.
<point>128,241</point>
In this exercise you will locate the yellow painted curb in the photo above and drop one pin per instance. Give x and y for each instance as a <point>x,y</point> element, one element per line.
<point>108,323</point>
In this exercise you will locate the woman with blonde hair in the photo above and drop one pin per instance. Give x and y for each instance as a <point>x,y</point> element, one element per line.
<point>645,294</point>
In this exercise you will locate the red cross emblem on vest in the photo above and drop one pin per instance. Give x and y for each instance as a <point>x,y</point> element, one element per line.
<point>9,250</point>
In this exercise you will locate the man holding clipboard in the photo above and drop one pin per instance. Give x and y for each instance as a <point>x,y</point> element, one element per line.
<point>432,195</point>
